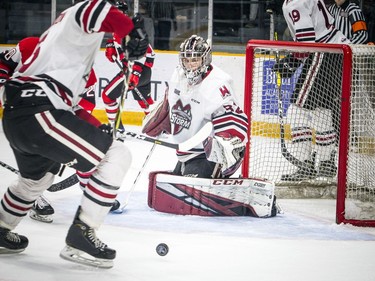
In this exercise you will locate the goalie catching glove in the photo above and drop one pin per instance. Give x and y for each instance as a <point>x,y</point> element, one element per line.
<point>226,150</point>
<point>137,45</point>
<point>286,66</point>
<point>157,121</point>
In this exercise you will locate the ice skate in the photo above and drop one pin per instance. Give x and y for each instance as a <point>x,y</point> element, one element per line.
<point>82,246</point>
<point>11,243</point>
<point>42,210</point>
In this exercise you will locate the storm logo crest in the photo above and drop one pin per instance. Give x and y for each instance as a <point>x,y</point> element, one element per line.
<point>180,117</point>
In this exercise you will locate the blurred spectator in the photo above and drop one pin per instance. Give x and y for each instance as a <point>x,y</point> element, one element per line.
<point>253,12</point>
<point>369,13</point>
<point>148,21</point>
<point>164,16</point>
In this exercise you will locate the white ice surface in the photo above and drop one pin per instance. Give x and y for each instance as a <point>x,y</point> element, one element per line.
<point>303,244</point>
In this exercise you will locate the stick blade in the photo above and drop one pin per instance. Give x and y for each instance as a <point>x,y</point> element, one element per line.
<point>198,138</point>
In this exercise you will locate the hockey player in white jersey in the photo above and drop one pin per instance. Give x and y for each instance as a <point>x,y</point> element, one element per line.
<point>200,92</point>
<point>310,21</point>
<point>44,133</point>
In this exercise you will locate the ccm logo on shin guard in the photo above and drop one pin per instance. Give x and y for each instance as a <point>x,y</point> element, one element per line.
<point>227,182</point>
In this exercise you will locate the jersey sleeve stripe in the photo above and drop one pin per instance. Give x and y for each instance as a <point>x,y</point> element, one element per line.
<point>95,15</point>
<point>79,13</point>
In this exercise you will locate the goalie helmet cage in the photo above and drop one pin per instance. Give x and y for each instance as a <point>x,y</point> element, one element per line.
<point>295,147</point>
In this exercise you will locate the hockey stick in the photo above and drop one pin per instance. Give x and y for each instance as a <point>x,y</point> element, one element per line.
<point>10,168</point>
<point>122,97</point>
<point>68,182</point>
<point>199,137</point>
<point>284,151</point>
<point>272,23</point>
<point>126,201</point>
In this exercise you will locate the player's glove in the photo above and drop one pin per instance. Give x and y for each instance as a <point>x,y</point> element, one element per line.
<point>136,47</point>
<point>110,50</point>
<point>135,75</point>
<point>226,150</point>
<point>286,66</point>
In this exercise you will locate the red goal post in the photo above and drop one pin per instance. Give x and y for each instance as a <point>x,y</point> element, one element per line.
<point>326,148</point>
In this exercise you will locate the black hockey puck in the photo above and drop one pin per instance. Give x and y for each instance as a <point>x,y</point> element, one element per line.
<point>162,249</point>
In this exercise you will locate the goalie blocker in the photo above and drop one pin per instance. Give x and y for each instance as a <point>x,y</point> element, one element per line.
<point>180,195</point>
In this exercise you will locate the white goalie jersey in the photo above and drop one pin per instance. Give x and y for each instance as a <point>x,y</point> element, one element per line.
<point>192,106</point>
<point>310,21</point>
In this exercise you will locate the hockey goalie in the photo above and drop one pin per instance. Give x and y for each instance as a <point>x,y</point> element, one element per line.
<point>199,92</point>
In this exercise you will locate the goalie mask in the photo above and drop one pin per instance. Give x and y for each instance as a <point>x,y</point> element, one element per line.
<point>195,58</point>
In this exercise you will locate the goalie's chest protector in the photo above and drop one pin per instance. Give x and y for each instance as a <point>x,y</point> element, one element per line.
<point>192,106</point>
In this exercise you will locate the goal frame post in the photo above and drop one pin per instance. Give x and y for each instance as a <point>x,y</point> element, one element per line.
<point>347,72</point>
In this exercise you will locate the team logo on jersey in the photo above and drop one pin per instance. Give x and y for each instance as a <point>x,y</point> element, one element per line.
<point>180,117</point>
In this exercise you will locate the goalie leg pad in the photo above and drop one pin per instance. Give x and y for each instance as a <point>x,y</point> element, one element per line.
<point>211,197</point>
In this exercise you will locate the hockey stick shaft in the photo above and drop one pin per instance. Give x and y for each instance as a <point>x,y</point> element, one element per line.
<point>139,94</point>
<point>122,97</point>
<point>131,190</point>
<point>68,182</point>
<point>10,168</point>
<point>198,138</point>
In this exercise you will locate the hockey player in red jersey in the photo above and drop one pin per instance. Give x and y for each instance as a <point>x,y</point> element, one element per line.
<point>43,133</point>
<point>139,79</point>
<point>310,21</point>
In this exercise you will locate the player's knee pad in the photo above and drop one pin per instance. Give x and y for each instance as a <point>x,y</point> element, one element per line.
<point>19,198</point>
<point>115,164</point>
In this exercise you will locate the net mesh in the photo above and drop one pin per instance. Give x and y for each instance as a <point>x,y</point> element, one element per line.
<point>295,125</point>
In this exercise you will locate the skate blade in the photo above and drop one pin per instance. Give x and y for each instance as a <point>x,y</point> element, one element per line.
<point>5,251</point>
<point>45,218</point>
<point>81,257</point>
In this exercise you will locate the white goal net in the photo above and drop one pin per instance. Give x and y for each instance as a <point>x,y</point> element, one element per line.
<point>312,129</point>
